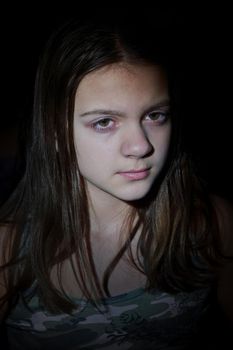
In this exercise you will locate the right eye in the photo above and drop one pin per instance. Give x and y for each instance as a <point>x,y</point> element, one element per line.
<point>104,124</point>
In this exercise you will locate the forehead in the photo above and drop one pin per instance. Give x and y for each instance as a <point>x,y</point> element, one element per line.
<point>121,82</point>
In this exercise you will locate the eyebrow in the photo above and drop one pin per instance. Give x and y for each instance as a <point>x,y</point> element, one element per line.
<point>164,103</point>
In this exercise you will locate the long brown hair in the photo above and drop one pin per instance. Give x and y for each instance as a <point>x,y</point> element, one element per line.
<point>49,212</point>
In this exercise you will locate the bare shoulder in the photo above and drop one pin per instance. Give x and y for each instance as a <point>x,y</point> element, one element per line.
<point>224,211</point>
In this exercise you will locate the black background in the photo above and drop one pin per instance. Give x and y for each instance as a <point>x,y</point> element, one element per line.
<point>206,59</point>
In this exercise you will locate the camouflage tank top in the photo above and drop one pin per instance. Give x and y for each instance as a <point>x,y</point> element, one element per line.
<point>135,320</point>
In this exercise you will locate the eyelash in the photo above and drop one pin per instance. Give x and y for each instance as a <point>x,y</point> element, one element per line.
<point>96,125</point>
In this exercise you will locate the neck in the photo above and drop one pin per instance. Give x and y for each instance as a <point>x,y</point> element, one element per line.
<point>107,213</point>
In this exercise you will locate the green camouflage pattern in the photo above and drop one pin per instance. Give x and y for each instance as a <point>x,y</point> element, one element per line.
<point>135,320</point>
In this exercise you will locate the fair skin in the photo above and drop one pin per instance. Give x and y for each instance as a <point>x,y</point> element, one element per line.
<point>122,133</point>
<point>121,126</point>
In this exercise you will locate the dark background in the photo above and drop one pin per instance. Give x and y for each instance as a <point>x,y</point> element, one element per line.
<point>205,53</point>
<point>205,45</point>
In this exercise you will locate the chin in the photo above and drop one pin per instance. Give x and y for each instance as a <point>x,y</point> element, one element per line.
<point>134,195</point>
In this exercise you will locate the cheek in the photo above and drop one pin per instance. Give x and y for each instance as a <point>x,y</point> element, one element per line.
<point>91,154</point>
<point>87,161</point>
<point>83,150</point>
<point>161,142</point>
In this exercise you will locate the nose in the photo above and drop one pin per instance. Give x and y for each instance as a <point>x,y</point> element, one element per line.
<point>136,143</point>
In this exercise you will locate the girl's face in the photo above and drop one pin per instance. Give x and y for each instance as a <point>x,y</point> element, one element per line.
<point>122,129</point>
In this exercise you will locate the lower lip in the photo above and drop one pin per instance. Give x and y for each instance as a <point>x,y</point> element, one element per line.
<point>140,175</point>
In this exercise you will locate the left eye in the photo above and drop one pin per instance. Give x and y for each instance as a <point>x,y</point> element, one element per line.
<point>159,117</point>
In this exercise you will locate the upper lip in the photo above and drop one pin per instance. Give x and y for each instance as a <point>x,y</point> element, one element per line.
<point>134,170</point>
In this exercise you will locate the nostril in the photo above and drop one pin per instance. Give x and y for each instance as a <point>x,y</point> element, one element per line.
<point>137,144</point>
